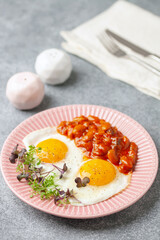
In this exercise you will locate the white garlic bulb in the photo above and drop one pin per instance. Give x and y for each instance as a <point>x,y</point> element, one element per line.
<point>53,66</point>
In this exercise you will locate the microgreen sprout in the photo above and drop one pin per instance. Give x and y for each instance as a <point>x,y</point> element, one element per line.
<point>41,182</point>
<point>63,197</point>
<point>82,182</point>
<point>61,170</point>
<point>14,154</point>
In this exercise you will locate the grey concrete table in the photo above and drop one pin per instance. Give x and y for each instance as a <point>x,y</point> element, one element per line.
<point>27,28</point>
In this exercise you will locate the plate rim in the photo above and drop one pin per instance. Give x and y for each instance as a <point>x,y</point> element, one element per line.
<point>97,214</point>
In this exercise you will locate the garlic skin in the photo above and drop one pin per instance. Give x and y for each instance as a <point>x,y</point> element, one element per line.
<point>25,90</point>
<point>53,66</point>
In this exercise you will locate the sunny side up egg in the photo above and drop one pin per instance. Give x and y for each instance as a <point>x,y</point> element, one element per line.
<point>56,149</point>
<point>105,179</point>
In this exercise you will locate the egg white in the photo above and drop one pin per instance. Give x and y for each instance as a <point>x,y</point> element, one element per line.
<point>93,194</point>
<point>74,159</point>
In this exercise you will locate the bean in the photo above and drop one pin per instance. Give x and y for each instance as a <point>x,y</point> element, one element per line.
<point>79,119</point>
<point>93,118</point>
<point>112,155</point>
<point>88,136</point>
<point>79,130</point>
<point>100,149</point>
<point>126,162</point>
<point>106,126</point>
<point>126,142</point>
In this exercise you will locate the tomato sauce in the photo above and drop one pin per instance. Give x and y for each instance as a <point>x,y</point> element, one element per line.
<point>99,139</point>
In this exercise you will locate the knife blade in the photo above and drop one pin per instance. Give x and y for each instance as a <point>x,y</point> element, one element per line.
<point>133,46</point>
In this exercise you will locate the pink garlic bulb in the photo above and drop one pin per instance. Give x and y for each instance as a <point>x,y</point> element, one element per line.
<point>25,90</point>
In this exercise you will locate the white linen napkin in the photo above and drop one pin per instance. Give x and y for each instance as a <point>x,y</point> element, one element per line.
<point>132,23</point>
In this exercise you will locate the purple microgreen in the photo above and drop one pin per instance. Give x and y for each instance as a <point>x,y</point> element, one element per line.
<point>12,158</point>
<point>17,154</point>
<point>14,154</point>
<point>82,182</point>
<point>22,153</point>
<point>21,176</point>
<point>61,192</point>
<point>15,151</point>
<point>63,197</point>
<point>65,167</point>
<point>40,179</point>
<point>61,170</point>
<point>85,181</point>
<point>38,170</point>
<point>34,176</point>
<point>69,193</point>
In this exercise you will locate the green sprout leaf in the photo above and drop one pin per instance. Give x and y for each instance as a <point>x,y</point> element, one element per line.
<point>42,183</point>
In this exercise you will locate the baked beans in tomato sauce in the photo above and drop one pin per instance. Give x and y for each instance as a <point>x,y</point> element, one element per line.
<point>99,139</point>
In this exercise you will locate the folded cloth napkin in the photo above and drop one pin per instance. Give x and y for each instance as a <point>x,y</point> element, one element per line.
<point>132,23</point>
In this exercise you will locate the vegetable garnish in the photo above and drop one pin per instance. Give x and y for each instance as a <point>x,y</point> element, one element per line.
<point>63,197</point>
<point>82,182</point>
<point>41,182</point>
<point>15,153</point>
<point>61,170</point>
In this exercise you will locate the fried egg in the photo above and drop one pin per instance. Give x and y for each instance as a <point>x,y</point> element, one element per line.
<point>105,179</point>
<point>56,149</point>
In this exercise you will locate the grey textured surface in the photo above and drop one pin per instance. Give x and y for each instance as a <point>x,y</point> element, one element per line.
<point>27,28</point>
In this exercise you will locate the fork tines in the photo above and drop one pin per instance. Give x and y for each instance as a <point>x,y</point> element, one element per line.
<point>109,43</point>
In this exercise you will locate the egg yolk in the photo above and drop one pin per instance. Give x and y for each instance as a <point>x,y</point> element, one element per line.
<point>52,150</point>
<point>100,172</point>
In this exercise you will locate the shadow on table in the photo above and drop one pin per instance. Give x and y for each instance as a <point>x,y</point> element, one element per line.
<point>72,80</point>
<point>45,104</point>
<point>49,101</point>
<point>137,211</point>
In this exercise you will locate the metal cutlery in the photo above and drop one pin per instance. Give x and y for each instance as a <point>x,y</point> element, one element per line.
<point>133,46</point>
<point>114,49</point>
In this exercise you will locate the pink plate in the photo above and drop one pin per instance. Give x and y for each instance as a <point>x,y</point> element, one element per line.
<point>142,178</point>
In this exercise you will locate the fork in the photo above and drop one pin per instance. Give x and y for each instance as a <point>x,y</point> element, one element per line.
<point>114,49</point>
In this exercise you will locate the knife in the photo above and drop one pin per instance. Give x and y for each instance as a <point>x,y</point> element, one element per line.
<point>132,46</point>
